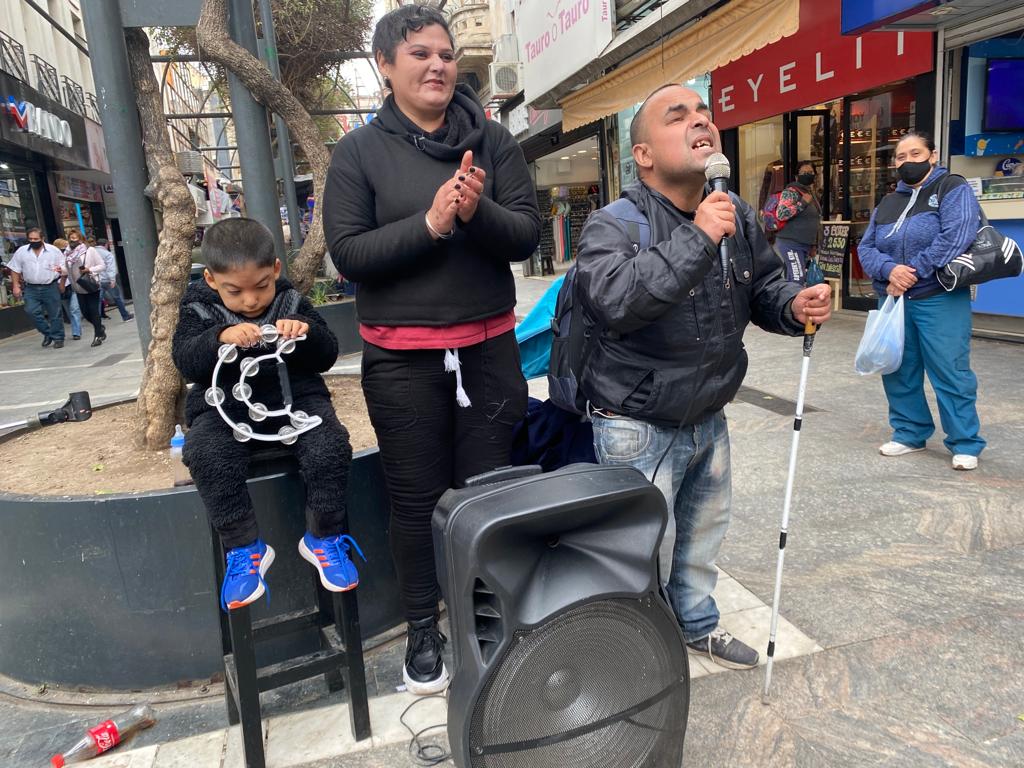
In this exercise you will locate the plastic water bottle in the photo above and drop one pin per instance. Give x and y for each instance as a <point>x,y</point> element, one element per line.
<point>107,735</point>
<point>181,475</point>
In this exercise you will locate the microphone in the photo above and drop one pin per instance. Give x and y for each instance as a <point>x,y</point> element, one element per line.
<point>717,171</point>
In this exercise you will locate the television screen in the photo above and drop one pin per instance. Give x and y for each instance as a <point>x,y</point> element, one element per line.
<point>1004,95</point>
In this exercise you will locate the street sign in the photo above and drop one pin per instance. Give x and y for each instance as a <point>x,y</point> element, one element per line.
<point>833,246</point>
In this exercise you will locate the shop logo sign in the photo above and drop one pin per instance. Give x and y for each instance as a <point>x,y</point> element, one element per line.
<point>35,120</point>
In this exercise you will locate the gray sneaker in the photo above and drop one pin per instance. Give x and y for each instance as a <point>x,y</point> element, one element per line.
<point>725,650</point>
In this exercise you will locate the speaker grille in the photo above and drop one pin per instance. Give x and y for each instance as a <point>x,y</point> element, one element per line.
<point>604,685</point>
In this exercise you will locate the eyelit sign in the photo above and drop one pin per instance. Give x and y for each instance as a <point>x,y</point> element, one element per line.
<point>37,121</point>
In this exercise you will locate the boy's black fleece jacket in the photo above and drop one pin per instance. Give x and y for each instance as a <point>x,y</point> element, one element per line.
<point>195,348</point>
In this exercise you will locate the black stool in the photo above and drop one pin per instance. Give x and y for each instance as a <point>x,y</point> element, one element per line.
<point>339,660</point>
<point>547,265</point>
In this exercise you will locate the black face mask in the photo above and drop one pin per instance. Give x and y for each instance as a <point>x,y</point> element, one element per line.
<point>35,246</point>
<point>806,179</point>
<point>913,173</point>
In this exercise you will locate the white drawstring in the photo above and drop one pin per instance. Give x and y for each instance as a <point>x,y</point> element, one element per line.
<point>903,216</point>
<point>452,363</point>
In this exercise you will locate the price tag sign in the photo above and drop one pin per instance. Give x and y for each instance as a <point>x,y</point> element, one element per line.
<point>833,246</point>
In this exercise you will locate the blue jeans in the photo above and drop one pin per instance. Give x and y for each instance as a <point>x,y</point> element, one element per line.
<point>74,311</point>
<point>938,341</point>
<point>696,480</point>
<point>112,292</point>
<point>42,303</point>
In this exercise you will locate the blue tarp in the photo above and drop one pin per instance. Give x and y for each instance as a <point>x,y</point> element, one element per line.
<point>534,334</point>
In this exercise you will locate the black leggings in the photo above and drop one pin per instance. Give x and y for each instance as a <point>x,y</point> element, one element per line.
<point>219,466</point>
<point>429,444</point>
<point>89,303</point>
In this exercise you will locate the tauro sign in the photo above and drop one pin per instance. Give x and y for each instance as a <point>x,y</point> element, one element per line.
<point>35,120</point>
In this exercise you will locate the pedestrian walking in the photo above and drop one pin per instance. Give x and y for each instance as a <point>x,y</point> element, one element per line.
<point>82,264</point>
<point>109,280</point>
<point>931,218</point>
<point>35,274</point>
<point>799,217</point>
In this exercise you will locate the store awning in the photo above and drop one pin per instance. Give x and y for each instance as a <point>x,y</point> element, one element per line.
<point>736,30</point>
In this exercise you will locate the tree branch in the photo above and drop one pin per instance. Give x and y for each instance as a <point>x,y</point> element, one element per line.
<point>162,386</point>
<point>216,45</point>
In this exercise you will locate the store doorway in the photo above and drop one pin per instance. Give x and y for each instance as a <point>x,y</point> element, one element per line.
<point>810,136</point>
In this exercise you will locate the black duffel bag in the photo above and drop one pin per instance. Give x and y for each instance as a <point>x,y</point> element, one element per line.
<point>991,256</point>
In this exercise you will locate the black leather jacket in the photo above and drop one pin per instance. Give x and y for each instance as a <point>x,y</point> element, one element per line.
<point>671,349</point>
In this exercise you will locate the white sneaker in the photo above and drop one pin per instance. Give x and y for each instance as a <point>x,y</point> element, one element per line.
<point>964,462</point>
<point>897,449</point>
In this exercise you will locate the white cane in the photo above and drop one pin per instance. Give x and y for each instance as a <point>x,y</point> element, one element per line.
<point>809,330</point>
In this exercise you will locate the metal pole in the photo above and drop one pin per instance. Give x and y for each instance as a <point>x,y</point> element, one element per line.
<point>284,139</point>
<point>122,133</point>
<point>258,179</point>
<point>809,330</point>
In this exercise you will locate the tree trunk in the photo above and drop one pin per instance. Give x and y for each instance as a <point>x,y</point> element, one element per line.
<point>162,386</point>
<point>216,45</point>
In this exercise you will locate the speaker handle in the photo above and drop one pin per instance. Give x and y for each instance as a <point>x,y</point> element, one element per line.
<point>502,474</point>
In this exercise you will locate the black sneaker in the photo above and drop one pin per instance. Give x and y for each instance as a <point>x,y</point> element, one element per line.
<point>725,650</point>
<point>58,344</point>
<point>47,341</point>
<point>424,671</point>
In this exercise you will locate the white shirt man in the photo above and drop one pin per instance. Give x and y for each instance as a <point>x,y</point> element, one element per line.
<point>35,269</point>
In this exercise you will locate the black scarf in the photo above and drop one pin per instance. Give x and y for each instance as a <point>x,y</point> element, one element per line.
<point>463,125</point>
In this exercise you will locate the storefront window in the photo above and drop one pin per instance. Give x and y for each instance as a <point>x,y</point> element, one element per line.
<point>568,189</point>
<point>761,169</point>
<point>876,124</point>
<point>19,208</point>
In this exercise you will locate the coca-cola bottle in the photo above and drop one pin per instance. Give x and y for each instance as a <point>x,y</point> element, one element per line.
<point>107,735</point>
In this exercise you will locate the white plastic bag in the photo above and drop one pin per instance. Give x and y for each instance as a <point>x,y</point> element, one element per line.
<point>881,346</point>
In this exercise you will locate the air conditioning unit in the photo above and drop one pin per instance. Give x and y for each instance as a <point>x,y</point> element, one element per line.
<point>190,162</point>
<point>506,78</point>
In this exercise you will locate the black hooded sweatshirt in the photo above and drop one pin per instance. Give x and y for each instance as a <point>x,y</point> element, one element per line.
<point>382,180</point>
<point>203,317</point>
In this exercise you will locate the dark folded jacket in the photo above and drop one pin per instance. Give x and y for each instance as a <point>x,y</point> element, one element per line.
<point>203,317</point>
<point>672,349</point>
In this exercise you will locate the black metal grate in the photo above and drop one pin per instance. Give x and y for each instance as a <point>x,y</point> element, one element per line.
<point>12,57</point>
<point>74,96</point>
<point>604,685</point>
<point>47,81</point>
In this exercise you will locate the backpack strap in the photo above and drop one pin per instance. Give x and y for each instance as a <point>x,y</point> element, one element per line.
<point>633,220</point>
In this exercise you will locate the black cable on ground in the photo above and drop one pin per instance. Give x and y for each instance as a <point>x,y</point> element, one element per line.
<point>425,754</point>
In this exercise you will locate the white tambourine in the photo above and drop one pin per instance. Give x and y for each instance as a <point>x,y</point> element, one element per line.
<point>243,432</point>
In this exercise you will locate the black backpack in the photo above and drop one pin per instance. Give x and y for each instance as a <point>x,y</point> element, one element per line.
<point>572,325</point>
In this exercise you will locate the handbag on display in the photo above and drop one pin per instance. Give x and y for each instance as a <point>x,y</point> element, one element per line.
<point>991,256</point>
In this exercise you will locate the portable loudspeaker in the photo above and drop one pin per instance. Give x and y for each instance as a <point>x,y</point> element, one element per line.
<point>566,652</point>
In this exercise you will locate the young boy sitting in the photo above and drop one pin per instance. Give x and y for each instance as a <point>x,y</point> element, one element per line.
<point>243,291</point>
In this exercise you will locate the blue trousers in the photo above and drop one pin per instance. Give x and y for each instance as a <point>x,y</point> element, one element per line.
<point>696,480</point>
<point>42,303</point>
<point>938,342</point>
<point>794,257</point>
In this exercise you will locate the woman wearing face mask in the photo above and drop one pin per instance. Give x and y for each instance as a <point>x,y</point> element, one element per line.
<point>800,211</point>
<point>83,260</point>
<point>424,208</point>
<point>931,218</point>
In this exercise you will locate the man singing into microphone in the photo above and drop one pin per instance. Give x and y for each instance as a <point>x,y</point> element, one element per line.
<point>666,352</point>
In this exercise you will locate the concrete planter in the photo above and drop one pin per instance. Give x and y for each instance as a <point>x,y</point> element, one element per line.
<point>341,318</point>
<point>117,592</point>
<point>14,320</point>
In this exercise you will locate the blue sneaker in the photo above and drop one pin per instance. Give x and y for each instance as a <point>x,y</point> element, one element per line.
<point>329,556</point>
<point>243,579</point>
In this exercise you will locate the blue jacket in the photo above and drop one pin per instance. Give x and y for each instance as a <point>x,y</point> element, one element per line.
<point>913,227</point>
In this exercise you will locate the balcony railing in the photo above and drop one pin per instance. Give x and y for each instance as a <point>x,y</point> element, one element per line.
<point>47,81</point>
<point>74,95</point>
<point>92,107</point>
<point>12,57</point>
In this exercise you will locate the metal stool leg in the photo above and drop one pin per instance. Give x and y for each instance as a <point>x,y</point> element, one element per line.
<point>225,629</point>
<point>333,677</point>
<point>247,687</point>
<point>346,621</point>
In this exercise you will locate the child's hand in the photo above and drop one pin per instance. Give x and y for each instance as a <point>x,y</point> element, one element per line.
<point>290,329</point>
<point>243,334</point>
